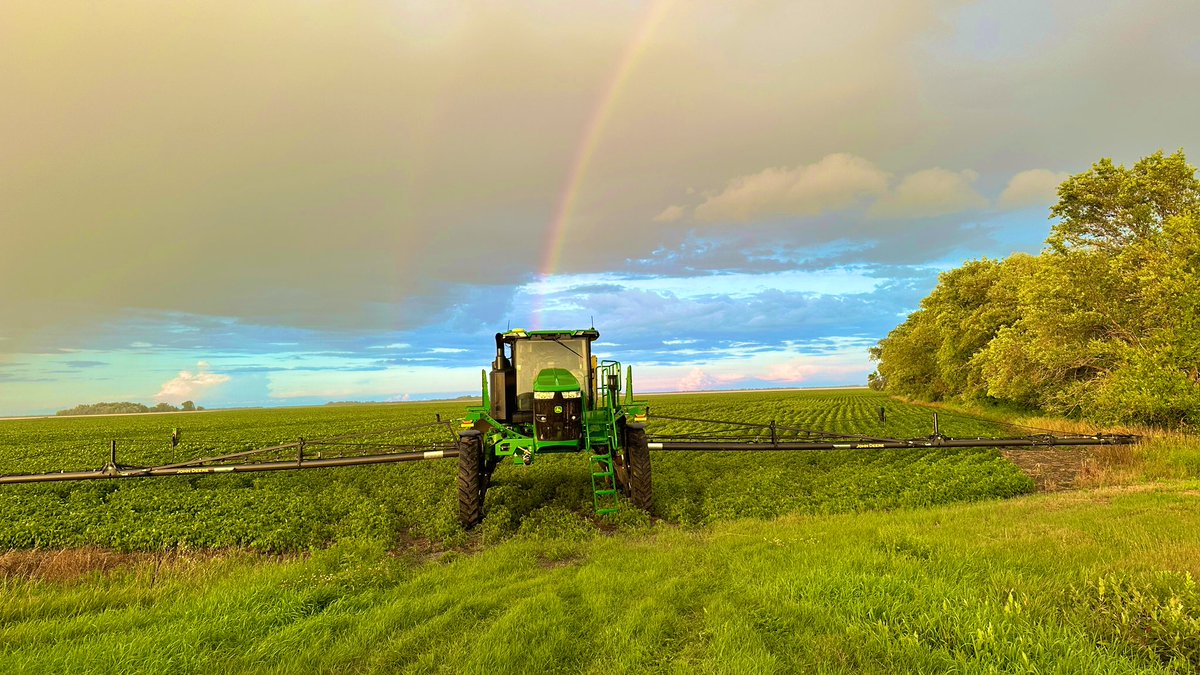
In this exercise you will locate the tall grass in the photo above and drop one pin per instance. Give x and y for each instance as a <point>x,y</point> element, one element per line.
<point>1084,582</point>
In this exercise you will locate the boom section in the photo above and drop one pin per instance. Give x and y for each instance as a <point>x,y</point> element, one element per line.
<point>895,443</point>
<point>729,436</point>
<point>348,450</point>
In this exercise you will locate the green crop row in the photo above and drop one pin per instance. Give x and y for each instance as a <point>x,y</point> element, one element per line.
<point>288,511</point>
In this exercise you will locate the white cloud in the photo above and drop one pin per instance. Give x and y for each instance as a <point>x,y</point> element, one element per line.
<point>835,182</point>
<point>394,345</point>
<point>699,380</point>
<point>447,350</point>
<point>1035,187</point>
<point>189,386</point>
<point>799,371</point>
<point>669,214</point>
<point>931,192</point>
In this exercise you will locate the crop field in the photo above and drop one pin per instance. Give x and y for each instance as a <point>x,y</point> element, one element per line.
<point>849,561</point>
<point>290,511</point>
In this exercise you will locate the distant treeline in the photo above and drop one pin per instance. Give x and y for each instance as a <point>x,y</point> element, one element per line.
<point>1104,323</point>
<point>125,407</point>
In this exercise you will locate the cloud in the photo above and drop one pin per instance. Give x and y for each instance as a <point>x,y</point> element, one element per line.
<point>799,371</point>
<point>189,386</point>
<point>1035,187</point>
<point>84,364</point>
<point>698,380</point>
<point>930,193</point>
<point>670,214</point>
<point>834,182</point>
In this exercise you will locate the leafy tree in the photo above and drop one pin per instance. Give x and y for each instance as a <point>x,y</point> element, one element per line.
<point>1110,207</point>
<point>105,408</point>
<point>931,355</point>
<point>1104,323</point>
<point>187,406</point>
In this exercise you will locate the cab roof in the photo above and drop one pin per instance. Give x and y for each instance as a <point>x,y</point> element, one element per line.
<point>520,333</point>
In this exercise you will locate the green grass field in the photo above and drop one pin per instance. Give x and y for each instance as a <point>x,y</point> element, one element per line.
<point>801,562</point>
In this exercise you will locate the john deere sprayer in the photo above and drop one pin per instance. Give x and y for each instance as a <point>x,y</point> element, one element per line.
<point>548,394</point>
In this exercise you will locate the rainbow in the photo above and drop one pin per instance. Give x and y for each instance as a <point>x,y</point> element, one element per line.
<point>586,149</point>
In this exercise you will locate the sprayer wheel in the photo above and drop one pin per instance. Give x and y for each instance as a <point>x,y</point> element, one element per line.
<point>640,488</point>
<point>470,481</point>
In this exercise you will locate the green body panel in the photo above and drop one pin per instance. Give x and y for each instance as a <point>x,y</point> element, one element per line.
<point>555,379</point>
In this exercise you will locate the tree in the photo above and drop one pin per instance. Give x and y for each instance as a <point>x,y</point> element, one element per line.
<point>1104,323</point>
<point>932,354</point>
<point>1110,207</point>
<point>187,406</point>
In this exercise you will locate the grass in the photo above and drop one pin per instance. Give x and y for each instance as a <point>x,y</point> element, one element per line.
<point>799,562</point>
<point>1100,581</point>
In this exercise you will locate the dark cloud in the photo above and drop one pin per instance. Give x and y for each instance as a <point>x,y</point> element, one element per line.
<point>85,364</point>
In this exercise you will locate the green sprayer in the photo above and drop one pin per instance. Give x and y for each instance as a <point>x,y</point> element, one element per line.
<point>549,394</point>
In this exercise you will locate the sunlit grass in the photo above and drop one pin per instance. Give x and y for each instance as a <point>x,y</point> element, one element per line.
<point>1083,582</point>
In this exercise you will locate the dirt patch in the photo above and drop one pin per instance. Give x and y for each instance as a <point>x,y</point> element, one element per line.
<point>1052,469</point>
<point>1067,468</point>
<point>424,550</point>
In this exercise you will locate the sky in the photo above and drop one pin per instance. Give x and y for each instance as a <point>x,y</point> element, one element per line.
<point>288,203</point>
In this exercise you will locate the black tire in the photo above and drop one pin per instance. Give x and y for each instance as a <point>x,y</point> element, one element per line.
<point>640,486</point>
<point>621,471</point>
<point>620,457</point>
<point>490,460</point>
<point>471,478</point>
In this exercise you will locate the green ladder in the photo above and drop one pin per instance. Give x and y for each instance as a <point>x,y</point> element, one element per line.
<point>598,428</point>
<point>604,484</point>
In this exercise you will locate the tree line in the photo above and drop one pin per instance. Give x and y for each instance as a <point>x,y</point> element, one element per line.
<point>1104,323</point>
<point>126,407</point>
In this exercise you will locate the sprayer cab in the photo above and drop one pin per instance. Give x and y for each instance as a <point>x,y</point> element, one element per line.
<point>533,366</point>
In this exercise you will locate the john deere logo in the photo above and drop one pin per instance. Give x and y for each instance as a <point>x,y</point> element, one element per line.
<point>558,408</point>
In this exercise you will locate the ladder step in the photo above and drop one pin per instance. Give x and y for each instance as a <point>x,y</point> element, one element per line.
<point>607,512</point>
<point>606,492</point>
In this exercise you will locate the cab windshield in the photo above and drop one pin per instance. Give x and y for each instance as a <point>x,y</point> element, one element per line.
<point>533,356</point>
